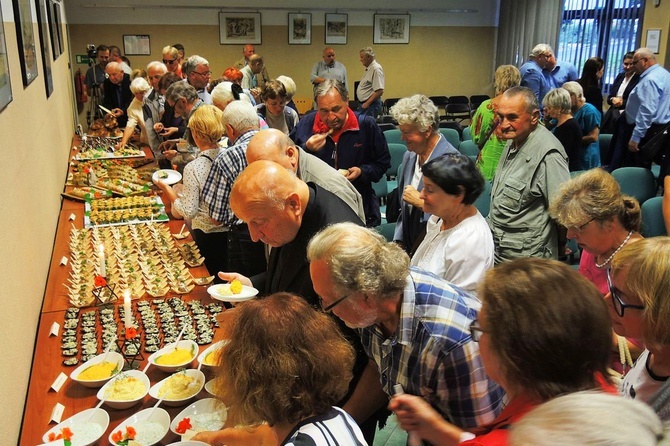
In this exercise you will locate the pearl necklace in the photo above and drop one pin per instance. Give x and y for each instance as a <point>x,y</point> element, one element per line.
<point>609,259</point>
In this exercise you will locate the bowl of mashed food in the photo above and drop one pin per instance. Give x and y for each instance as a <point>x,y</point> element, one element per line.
<point>210,356</point>
<point>179,388</point>
<point>98,370</point>
<point>208,414</point>
<point>81,429</point>
<point>147,427</point>
<point>125,390</point>
<point>174,357</point>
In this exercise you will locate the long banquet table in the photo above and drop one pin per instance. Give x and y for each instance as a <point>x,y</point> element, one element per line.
<point>47,360</point>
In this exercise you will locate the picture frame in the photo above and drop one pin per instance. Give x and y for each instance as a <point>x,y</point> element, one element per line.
<point>58,19</point>
<point>43,27</point>
<point>299,29</point>
<point>56,47</point>
<point>237,28</point>
<point>136,44</point>
<point>5,79</point>
<point>25,38</point>
<point>654,40</point>
<point>391,28</point>
<point>336,29</point>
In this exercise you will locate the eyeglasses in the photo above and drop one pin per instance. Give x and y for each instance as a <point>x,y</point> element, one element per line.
<point>476,331</point>
<point>205,74</point>
<point>617,303</point>
<point>581,227</point>
<point>635,62</point>
<point>331,306</point>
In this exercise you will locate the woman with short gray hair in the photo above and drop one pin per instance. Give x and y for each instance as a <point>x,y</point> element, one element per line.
<point>557,106</point>
<point>138,87</point>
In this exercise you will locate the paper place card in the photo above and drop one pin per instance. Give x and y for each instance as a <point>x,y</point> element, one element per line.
<point>59,383</point>
<point>55,327</point>
<point>72,217</point>
<point>57,413</point>
<point>63,261</point>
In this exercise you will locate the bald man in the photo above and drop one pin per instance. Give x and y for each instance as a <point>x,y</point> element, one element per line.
<point>117,94</point>
<point>273,145</point>
<point>329,68</point>
<point>247,52</point>
<point>285,212</point>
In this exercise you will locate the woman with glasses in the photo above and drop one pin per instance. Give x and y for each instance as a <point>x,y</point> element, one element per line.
<point>172,61</point>
<point>274,110</point>
<point>639,301</point>
<point>543,331</point>
<point>601,220</point>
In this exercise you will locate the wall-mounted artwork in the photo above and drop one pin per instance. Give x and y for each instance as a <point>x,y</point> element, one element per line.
<point>5,81</point>
<point>237,28</point>
<point>391,28</point>
<point>136,44</point>
<point>299,29</point>
<point>45,39</point>
<point>54,28</point>
<point>336,29</point>
<point>25,37</point>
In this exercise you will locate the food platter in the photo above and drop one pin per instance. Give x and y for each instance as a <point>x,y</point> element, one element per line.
<point>220,292</point>
<point>86,193</point>
<point>167,176</point>
<point>124,211</point>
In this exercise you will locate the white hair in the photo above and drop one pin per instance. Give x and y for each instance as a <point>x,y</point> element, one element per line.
<point>241,116</point>
<point>575,89</point>
<point>223,93</point>
<point>539,49</point>
<point>139,85</point>
<point>157,64</point>
<point>289,85</point>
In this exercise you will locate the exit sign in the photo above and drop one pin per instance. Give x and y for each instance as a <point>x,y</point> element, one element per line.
<point>83,59</point>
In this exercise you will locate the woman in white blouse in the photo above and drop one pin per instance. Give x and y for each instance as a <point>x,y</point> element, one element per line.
<point>206,128</point>
<point>138,87</point>
<point>458,245</point>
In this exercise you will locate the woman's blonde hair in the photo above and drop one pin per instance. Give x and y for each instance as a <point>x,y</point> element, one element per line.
<point>506,77</point>
<point>206,122</point>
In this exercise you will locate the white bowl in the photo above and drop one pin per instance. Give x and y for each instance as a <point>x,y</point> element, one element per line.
<point>125,404</point>
<point>198,411</point>
<point>185,344</point>
<point>99,421</point>
<point>154,392</point>
<point>159,416</point>
<point>188,443</point>
<point>209,387</point>
<point>103,357</point>
<point>211,349</point>
<point>218,292</point>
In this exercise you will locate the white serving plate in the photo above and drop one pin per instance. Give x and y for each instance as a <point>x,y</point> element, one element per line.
<point>248,292</point>
<point>204,406</point>
<point>125,404</point>
<point>173,176</point>
<point>103,357</point>
<point>184,344</point>
<point>159,416</point>
<point>100,417</point>
<point>212,348</point>
<point>154,392</point>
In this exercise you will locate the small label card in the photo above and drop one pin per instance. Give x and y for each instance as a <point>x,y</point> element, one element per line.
<point>57,413</point>
<point>72,217</point>
<point>55,327</point>
<point>63,261</point>
<point>59,382</point>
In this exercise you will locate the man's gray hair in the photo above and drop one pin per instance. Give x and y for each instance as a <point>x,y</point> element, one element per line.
<point>416,110</point>
<point>156,64</point>
<point>645,52</point>
<point>529,98</point>
<point>368,51</point>
<point>181,89</point>
<point>575,89</point>
<point>539,49</point>
<point>324,87</point>
<point>360,260</point>
<point>241,116</point>
<point>192,63</point>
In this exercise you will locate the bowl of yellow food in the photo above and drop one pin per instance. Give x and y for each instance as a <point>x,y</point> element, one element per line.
<point>125,390</point>
<point>173,356</point>
<point>98,370</point>
<point>210,356</point>
<point>232,292</point>
<point>179,388</point>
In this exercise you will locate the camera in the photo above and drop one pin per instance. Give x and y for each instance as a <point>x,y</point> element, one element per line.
<point>91,52</point>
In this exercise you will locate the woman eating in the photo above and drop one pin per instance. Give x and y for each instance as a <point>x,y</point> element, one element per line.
<point>458,245</point>
<point>543,331</point>
<point>418,120</point>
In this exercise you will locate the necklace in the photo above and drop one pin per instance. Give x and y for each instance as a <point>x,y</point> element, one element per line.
<point>609,259</point>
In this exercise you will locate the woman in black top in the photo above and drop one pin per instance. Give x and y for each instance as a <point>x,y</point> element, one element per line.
<point>557,106</point>
<point>590,81</point>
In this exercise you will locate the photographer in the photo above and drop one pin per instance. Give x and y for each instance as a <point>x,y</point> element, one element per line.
<point>95,75</point>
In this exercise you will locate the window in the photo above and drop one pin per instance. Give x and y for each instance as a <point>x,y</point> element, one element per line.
<point>603,28</point>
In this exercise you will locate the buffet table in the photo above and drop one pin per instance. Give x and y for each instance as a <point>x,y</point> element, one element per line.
<point>47,363</point>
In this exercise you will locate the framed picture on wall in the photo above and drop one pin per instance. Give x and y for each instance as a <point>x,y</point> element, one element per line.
<point>137,44</point>
<point>53,28</point>
<point>5,81</point>
<point>239,28</point>
<point>299,29</point>
<point>336,29</point>
<point>45,39</point>
<point>58,21</point>
<point>653,40</point>
<point>25,37</point>
<point>391,28</point>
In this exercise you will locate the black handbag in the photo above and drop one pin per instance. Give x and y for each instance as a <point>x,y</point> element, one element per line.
<point>657,147</point>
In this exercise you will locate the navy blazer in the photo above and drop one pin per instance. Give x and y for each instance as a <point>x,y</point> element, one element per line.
<point>617,83</point>
<point>111,99</point>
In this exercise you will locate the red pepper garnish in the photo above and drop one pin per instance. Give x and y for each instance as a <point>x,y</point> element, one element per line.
<point>130,432</point>
<point>99,281</point>
<point>117,436</point>
<point>131,333</point>
<point>183,426</point>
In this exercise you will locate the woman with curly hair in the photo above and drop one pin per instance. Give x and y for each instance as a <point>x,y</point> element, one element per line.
<point>286,365</point>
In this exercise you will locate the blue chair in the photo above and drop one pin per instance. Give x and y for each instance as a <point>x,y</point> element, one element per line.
<point>393,136</point>
<point>387,230</point>
<point>466,133</point>
<point>637,182</point>
<point>451,135</point>
<point>653,223</point>
<point>483,202</point>
<point>469,148</point>
<point>380,188</point>
<point>397,151</point>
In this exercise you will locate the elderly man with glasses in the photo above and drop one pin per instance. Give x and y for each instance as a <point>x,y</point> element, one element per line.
<point>413,324</point>
<point>532,71</point>
<point>197,73</point>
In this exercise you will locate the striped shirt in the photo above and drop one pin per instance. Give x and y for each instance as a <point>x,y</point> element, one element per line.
<point>334,428</point>
<point>432,354</point>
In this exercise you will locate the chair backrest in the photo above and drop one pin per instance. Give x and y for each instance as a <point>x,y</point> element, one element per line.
<point>384,119</point>
<point>393,136</point>
<point>388,103</point>
<point>469,148</point>
<point>452,136</point>
<point>384,126</point>
<point>439,101</point>
<point>477,99</point>
<point>653,223</point>
<point>303,104</point>
<point>397,151</point>
<point>452,125</point>
<point>466,134</point>
<point>637,182</point>
<point>380,188</point>
<point>459,100</point>
<point>604,140</point>
<point>387,230</point>
<point>457,111</point>
<point>483,202</point>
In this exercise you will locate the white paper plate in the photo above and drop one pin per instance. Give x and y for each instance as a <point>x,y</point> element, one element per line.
<point>248,292</point>
<point>173,176</point>
<point>100,419</point>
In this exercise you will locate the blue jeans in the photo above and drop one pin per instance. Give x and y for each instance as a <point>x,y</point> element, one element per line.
<point>373,110</point>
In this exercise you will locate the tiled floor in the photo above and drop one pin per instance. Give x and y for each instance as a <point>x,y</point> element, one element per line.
<point>391,435</point>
